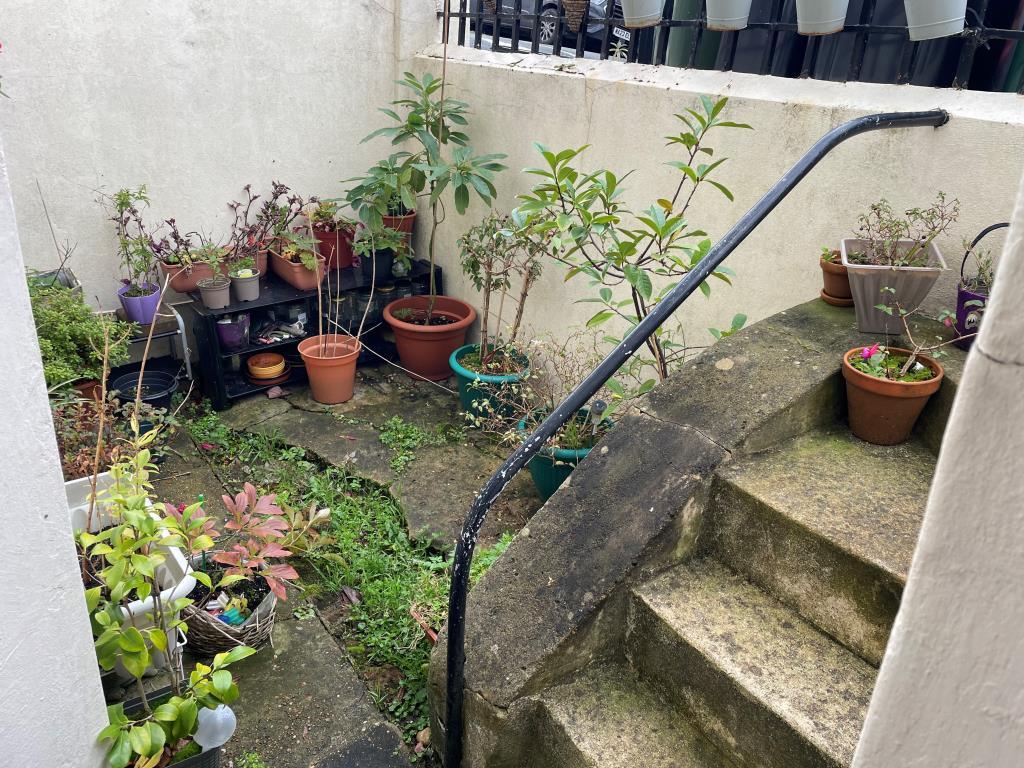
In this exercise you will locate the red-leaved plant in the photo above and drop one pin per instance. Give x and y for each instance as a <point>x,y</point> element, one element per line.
<point>261,526</point>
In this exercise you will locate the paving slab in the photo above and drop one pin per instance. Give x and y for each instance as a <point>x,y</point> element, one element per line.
<point>302,700</point>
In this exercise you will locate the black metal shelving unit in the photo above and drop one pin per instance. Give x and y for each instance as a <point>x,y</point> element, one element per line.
<point>224,380</point>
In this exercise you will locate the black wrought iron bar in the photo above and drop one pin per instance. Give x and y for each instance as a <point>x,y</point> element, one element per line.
<point>581,33</point>
<point>462,21</point>
<point>556,44</point>
<point>860,42</point>
<point>586,389</point>
<point>517,24</point>
<point>496,26</point>
<point>773,36</point>
<point>606,36</point>
<point>478,26</point>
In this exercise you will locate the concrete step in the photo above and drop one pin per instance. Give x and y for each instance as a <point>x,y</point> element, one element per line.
<point>604,718</point>
<point>770,689</point>
<point>828,524</point>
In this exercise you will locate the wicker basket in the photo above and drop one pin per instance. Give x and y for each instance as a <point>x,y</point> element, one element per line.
<point>208,636</point>
<point>574,10</point>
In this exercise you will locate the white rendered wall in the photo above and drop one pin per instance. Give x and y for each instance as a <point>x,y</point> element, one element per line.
<point>195,99</point>
<point>950,693</point>
<point>624,111</point>
<point>51,702</point>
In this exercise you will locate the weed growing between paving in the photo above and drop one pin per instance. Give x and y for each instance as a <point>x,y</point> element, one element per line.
<point>368,551</point>
<point>403,438</point>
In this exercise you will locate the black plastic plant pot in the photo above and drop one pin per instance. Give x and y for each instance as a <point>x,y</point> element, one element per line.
<point>385,262</point>
<point>157,387</point>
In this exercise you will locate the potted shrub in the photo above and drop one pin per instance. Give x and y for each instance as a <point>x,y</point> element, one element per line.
<point>972,291</point>
<point>623,252</point>
<point>836,290</point>
<point>274,220</point>
<point>376,256</point>
<point>427,328</point>
<point>245,279</point>
<point>180,268</point>
<point>726,15</point>
<point>820,17</point>
<point>333,234</point>
<point>928,19</point>
<point>897,252</point>
<point>72,337</point>
<point>888,387</point>
<point>297,263</point>
<point>139,293</point>
<point>502,260</point>
<point>216,289</point>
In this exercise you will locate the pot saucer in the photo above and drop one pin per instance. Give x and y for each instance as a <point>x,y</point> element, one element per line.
<point>279,379</point>
<point>835,302</point>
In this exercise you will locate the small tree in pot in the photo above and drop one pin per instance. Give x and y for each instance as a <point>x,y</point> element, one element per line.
<point>898,252</point>
<point>431,327</point>
<point>503,261</point>
<point>140,293</point>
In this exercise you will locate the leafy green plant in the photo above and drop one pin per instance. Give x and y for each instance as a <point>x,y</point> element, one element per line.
<point>136,246</point>
<point>368,241</point>
<point>71,335</point>
<point>501,258</point>
<point>902,241</point>
<point>404,438</point>
<point>642,254</point>
<point>442,159</point>
<point>984,276</point>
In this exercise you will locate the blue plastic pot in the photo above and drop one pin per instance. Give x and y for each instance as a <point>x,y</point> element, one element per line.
<point>550,468</point>
<point>478,388</point>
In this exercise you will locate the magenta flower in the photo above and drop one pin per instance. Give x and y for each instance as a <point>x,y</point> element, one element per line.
<point>207,446</point>
<point>868,352</point>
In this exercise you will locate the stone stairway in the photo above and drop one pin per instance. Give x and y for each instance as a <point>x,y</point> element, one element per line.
<point>745,631</point>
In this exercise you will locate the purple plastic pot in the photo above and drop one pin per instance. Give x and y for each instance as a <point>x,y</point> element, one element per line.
<point>968,319</point>
<point>234,335</point>
<point>140,309</point>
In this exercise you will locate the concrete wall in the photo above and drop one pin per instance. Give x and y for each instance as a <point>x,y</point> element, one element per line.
<point>949,690</point>
<point>196,99</point>
<point>624,111</point>
<point>53,704</point>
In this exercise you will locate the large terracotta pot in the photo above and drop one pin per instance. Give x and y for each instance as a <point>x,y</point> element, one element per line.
<point>297,275</point>
<point>331,366</point>
<point>884,412</point>
<point>335,247</point>
<point>424,349</point>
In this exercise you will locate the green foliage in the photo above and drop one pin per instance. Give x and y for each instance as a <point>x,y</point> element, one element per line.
<point>592,231</point>
<point>902,241</point>
<point>367,551</point>
<point>71,335</point>
<point>404,438</point>
<point>251,760</point>
<point>879,362</point>
<point>369,241</point>
<point>135,242</point>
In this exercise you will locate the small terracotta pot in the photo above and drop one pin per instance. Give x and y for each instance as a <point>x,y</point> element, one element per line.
<point>404,224</point>
<point>331,366</point>
<point>335,247</point>
<point>424,349</point>
<point>89,389</point>
<point>297,275</point>
<point>884,412</point>
<point>836,280</point>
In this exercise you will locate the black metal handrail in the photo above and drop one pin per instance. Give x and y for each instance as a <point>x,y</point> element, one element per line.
<point>604,371</point>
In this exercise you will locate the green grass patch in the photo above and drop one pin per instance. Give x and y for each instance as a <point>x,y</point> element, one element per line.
<point>404,438</point>
<point>367,549</point>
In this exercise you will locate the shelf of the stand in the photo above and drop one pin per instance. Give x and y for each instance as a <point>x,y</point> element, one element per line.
<point>253,348</point>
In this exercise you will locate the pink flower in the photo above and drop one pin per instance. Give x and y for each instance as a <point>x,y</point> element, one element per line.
<point>207,446</point>
<point>948,322</point>
<point>868,352</point>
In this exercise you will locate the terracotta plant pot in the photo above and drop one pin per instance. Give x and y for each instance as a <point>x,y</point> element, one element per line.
<point>884,412</point>
<point>297,275</point>
<point>836,283</point>
<point>404,223</point>
<point>335,247</point>
<point>185,279</point>
<point>331,366</point>
<point>216,292</point>
<point>424,349</point>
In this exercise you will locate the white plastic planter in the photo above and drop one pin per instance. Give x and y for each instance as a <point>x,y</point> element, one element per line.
<point>928,19</point>
<point>637,14</point>
<point>174,574</point>
<point>820,17</point>
<point>728,15</point>
<point>911,285</point>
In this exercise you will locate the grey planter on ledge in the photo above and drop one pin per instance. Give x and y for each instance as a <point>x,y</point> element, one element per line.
<point>911,286</point>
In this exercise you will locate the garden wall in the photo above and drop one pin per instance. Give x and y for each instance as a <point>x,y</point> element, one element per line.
<point>624,111</point>
<point>195,99</point>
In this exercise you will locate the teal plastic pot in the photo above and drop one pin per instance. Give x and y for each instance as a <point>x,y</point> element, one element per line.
<point>550,468</point>
<point>481,387</point>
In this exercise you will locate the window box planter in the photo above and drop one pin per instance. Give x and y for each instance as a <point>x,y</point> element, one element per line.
<point>911,286</point>
<point>881,411</point>
<point>185,279</point>
<point>295,274</point>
